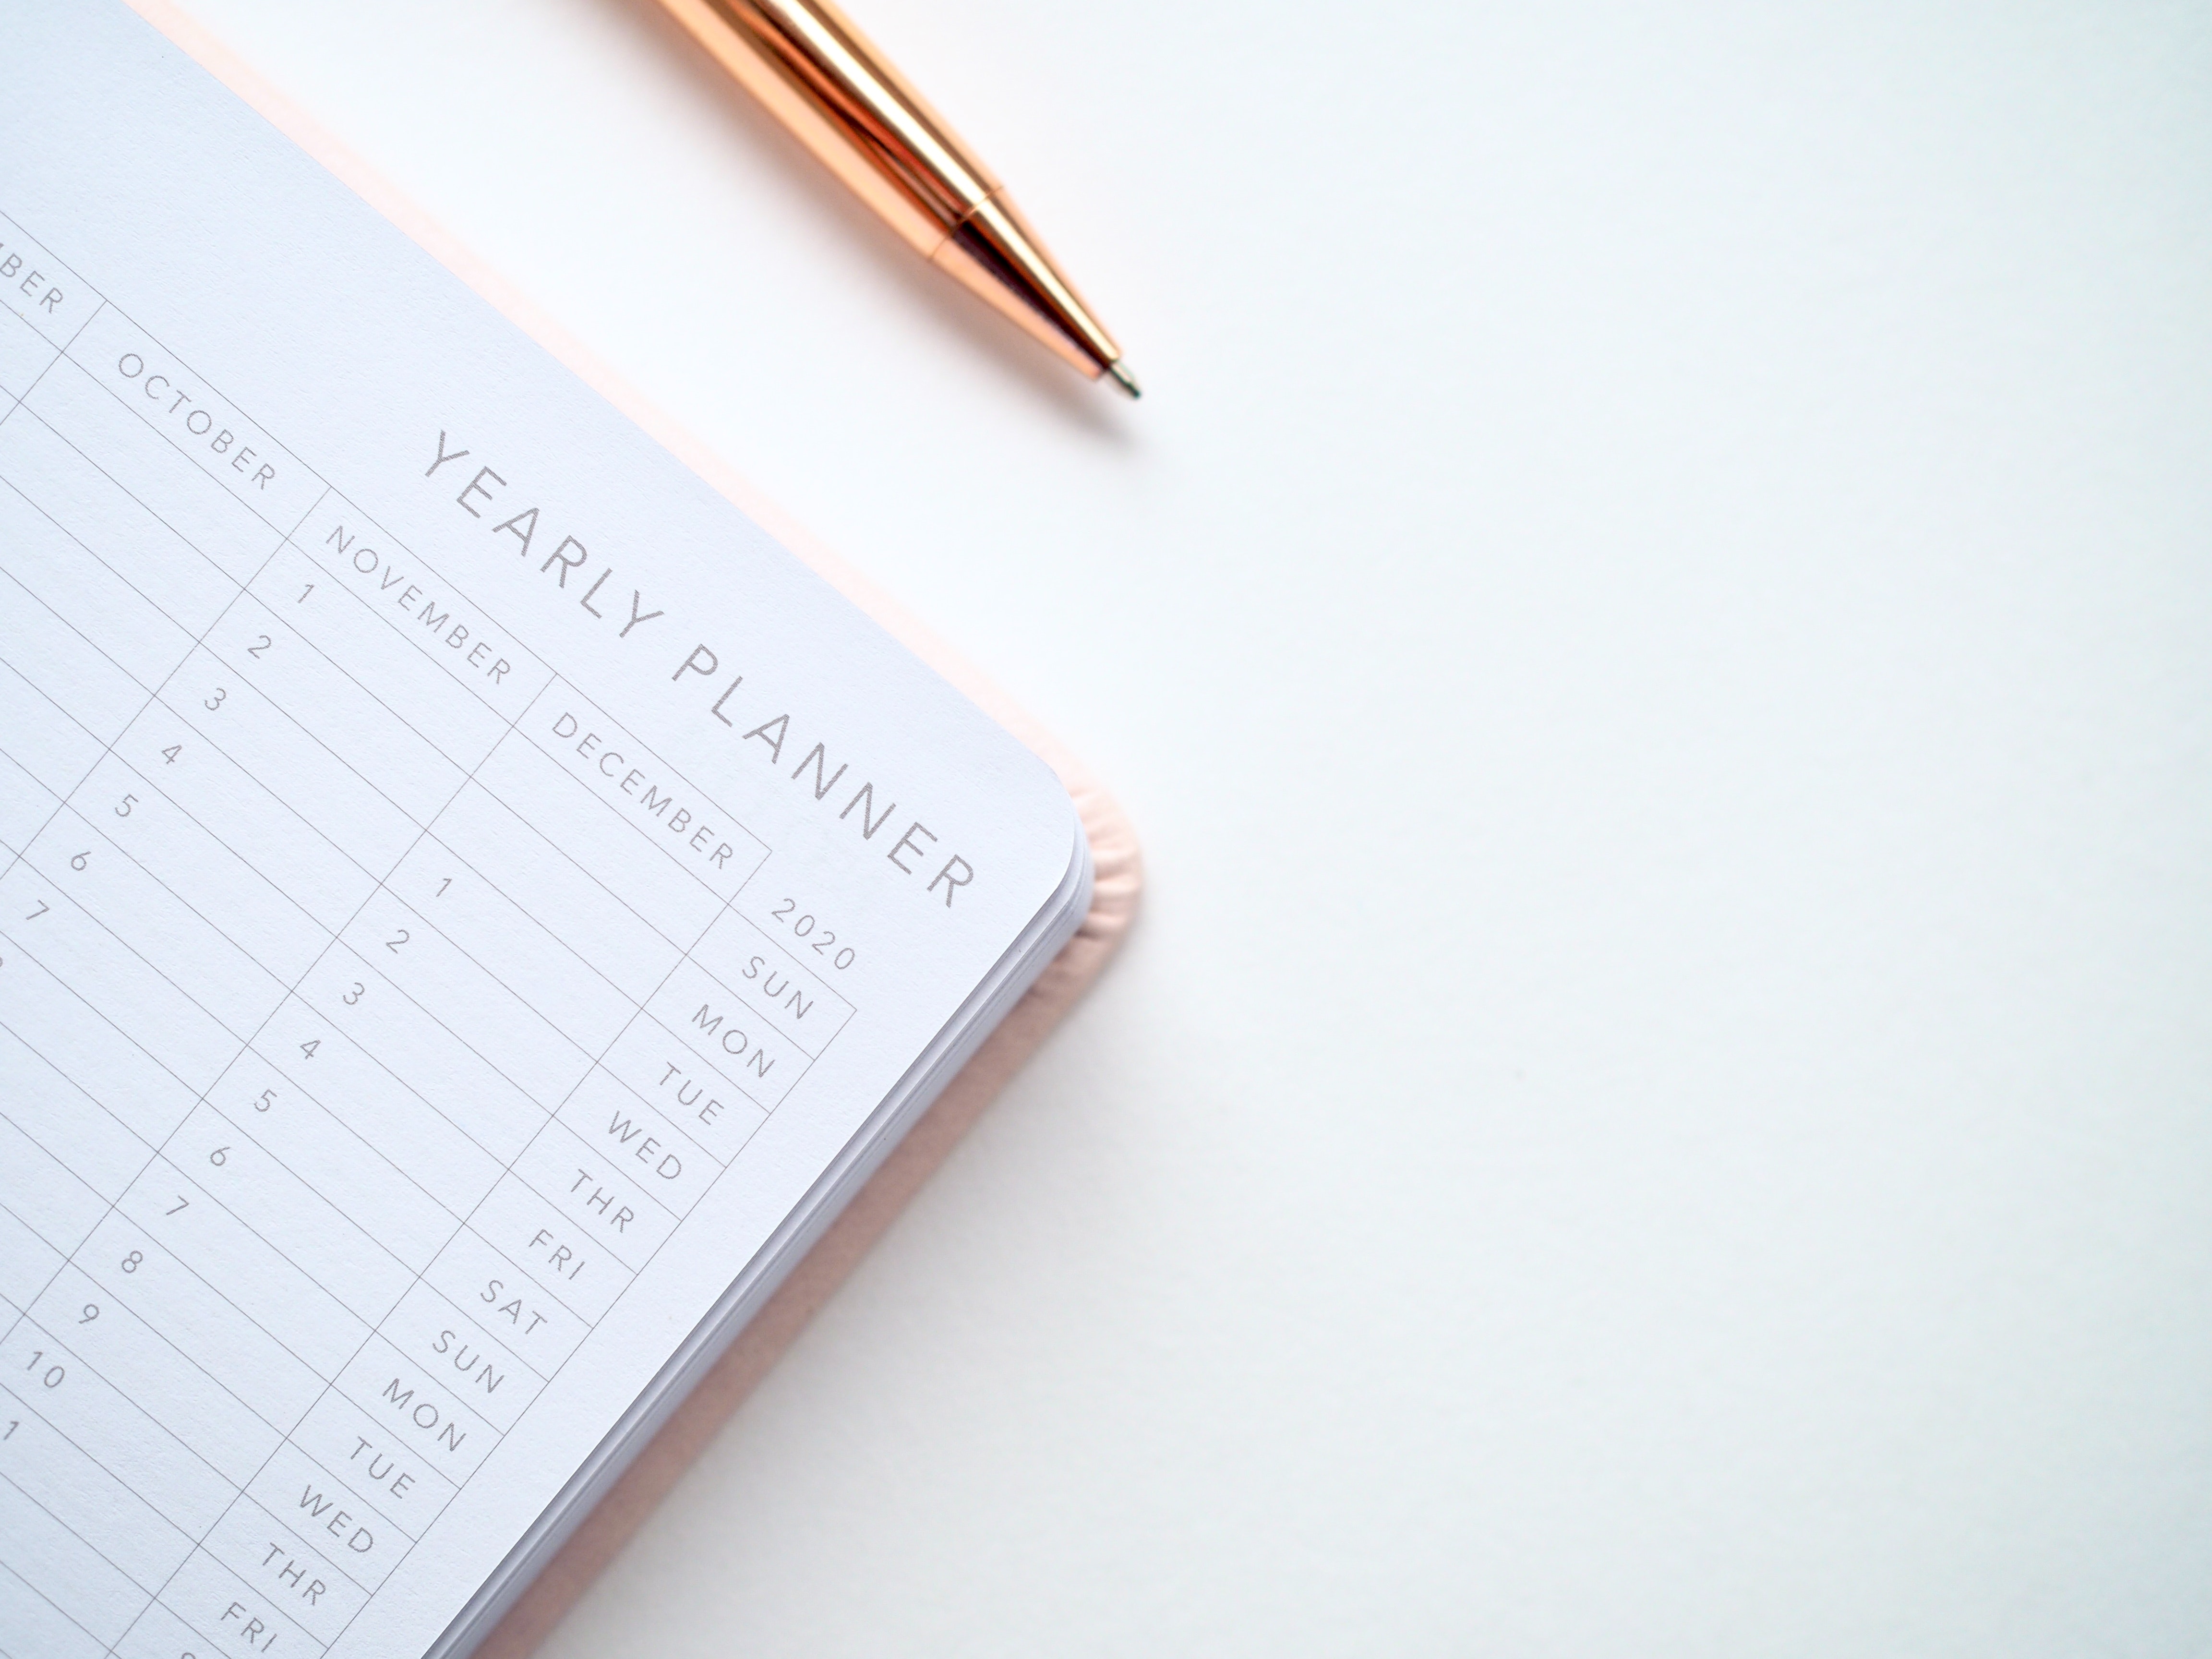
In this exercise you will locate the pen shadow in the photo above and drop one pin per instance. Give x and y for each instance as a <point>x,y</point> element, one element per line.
<point>1087,407</point>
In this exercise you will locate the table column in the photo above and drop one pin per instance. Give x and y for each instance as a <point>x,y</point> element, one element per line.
<point>139,1391</point>
<point>395,1078</point>
<point>516,939</point>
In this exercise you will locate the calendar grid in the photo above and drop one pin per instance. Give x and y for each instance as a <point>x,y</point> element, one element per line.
<point>358,1144</point>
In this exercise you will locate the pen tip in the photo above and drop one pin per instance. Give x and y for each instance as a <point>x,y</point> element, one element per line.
<point>1122,378</point>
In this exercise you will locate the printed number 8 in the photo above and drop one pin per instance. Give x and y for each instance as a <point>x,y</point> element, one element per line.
<point>130,1262</point>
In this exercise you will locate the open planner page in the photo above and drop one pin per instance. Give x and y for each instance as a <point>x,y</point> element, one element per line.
<point>468,896</point>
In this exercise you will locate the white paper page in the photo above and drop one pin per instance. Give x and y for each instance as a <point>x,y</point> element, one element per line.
<point>460,884</point>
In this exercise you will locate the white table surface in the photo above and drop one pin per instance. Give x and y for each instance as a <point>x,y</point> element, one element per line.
<point>1656,622</point>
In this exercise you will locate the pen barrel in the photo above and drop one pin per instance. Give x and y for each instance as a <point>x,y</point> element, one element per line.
<point>823,79</point>
<point>826,82</point>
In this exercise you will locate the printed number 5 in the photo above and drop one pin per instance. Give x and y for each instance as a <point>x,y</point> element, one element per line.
<point>123,808</point>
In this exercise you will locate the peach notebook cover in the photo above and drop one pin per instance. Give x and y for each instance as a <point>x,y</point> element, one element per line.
<point>1113,844</point>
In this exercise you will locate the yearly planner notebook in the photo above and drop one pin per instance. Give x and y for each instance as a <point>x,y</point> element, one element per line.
<point>472,904</point>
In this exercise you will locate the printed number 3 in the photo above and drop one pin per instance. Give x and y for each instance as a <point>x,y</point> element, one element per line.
<point>215,701</point>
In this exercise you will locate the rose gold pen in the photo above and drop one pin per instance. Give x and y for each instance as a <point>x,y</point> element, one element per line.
<point>820,78</point>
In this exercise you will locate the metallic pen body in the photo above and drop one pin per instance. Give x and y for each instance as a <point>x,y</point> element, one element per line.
<point>820,76</point>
